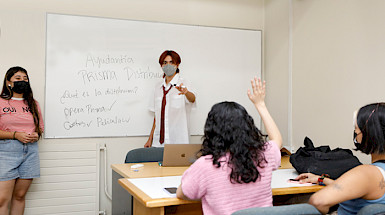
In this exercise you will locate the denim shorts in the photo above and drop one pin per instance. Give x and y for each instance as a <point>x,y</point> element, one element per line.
<point>18,160</point>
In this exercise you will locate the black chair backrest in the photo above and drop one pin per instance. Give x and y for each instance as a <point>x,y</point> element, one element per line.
<point>140,155</point>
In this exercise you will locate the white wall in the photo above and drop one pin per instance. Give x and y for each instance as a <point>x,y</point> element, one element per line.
<point>338,65</point>
<point>22,42</point>
<point>276,58</point>
<point>337,56</point>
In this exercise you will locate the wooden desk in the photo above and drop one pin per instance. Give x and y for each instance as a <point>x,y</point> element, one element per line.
<point>143,204</point>
<point>123,202</point>
<point>152,169</point>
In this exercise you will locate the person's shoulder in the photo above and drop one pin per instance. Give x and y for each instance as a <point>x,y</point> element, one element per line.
<point>203,161</point>
<point>361,171</point>
<point>271,146</point>
<point>4,101</point>
<point>365,168</point>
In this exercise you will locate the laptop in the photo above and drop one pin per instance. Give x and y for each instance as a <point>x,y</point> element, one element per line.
<point>180,154</point>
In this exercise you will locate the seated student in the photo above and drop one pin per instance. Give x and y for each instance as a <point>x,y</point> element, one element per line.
<point>235,169</point>
<point>363,184</point>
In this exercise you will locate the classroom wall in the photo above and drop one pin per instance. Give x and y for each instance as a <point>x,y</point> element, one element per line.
<point>22,42</point>
<point>337,65</point>
<point>276,55</point>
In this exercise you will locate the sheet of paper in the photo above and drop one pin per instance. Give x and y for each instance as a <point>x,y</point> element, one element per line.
<point>154,187</point>
<point>281,177</point>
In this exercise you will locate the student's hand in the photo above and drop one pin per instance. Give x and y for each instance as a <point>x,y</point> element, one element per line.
<point>182,89</point>
<point>308,178</point>
<point>148,144</point>
<point>257,94</point>
<point>34,136</point>
<point>26,138</point>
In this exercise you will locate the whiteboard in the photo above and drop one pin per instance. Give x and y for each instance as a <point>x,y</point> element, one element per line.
<point>100,72</point>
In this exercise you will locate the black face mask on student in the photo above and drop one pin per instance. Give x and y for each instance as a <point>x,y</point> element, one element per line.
<point>356,143</point>
<point>21,87</point>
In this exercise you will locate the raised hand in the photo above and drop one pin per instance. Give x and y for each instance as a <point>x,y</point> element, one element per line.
<point>257,94</point>
<point>257,97</point>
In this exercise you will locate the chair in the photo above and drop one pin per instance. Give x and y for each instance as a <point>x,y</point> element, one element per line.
<point>372,209</point>
<point>141,155</point>
<point>122,201</point>
<point>296,209</point>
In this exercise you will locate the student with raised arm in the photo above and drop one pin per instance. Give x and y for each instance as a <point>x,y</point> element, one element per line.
<point>172,103</point>
<point>235,169</point>
<point>21,125</point>
<point>364,184</point>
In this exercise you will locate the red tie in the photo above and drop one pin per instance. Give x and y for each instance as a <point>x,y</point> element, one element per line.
<point>161,140</point>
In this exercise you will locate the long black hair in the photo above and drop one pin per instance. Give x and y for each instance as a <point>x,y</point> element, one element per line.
<point>230,129</point>
<point>371,122</point>
<point>7,94</point>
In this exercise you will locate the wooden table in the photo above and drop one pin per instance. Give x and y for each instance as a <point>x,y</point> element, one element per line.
<point>143,204</point>
<point>150,169</point>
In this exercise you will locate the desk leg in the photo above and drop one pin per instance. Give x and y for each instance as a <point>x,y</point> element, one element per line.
<point>121,199</point>
<point>140,209</point>
<point>188,209</point>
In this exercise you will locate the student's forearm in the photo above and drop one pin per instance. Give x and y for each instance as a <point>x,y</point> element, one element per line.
<point>190,96</point>
<point>321,202</point>
<point>6,135</point>
<point>152,131</point>
<point>328,181</point>
<point>271,128</point>
<point>180,194</point>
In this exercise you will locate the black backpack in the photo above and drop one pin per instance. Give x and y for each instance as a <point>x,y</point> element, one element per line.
<point>322,160</point>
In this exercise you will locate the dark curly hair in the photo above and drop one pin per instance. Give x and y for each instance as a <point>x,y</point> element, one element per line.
<point>371,122</point>
<point>230,129</point>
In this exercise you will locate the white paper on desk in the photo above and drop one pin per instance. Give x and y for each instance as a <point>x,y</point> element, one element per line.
<point>281,177</point>
<point>154,187</point>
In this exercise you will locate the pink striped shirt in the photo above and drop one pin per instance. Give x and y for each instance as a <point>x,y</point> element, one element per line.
<point>15,115</point>
<point>219,196</point>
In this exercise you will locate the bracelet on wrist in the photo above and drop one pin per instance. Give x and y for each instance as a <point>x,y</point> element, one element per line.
<point>14,135</point>
<point>321,179</point>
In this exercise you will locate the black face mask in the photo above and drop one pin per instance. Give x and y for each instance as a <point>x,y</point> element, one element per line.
<point>357,144</point>
<point>21,87</point>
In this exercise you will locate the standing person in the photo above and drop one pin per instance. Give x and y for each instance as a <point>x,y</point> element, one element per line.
<point>172,103</point>
<point>235,169</point>
<point>21,125</point>
<point>364,184</point>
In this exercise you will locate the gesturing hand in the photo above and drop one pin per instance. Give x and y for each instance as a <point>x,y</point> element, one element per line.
<point>182,89</point>
<point>257,95</point>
